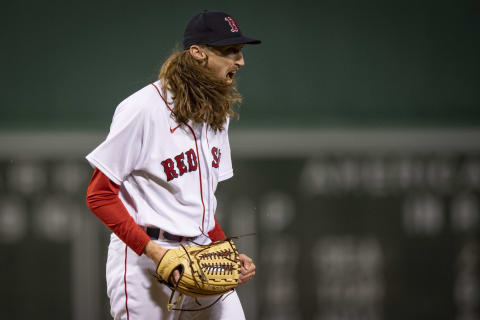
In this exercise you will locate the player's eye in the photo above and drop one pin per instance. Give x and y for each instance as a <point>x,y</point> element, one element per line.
<point>234,50</point>
<point>230,50</point>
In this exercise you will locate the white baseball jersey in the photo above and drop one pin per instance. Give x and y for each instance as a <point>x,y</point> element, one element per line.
<point>168,172</point>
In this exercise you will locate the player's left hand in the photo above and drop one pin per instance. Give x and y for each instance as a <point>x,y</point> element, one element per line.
<point>247,269</point>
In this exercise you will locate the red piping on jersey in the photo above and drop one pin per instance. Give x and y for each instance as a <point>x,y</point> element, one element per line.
<point>173,130</point>
<point>125,283</point>
<point>211,176</point>
<point>198,157</point>
<point>206,135</point>
<point>200,177</point>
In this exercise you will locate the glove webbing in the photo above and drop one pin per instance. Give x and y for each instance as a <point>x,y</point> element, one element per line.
<point>171,304</point>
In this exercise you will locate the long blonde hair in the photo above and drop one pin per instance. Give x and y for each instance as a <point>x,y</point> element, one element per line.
<point>197,94</point>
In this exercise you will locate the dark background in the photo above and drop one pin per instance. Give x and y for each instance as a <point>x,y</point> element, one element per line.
<point>356,156</point>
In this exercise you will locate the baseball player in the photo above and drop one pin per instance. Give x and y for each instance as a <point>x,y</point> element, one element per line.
<point>156,173</point>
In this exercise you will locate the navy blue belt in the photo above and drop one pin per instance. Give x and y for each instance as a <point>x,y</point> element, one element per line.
<point>158,234</point>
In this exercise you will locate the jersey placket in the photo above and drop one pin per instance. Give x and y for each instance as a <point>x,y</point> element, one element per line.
<point>208,173</point>
<point>196,131</point>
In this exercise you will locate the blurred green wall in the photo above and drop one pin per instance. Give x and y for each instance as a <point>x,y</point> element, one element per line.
<point>381,223</point>
<point>67,64</point>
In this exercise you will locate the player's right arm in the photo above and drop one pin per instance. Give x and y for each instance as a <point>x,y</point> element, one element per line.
<point>103,201</point>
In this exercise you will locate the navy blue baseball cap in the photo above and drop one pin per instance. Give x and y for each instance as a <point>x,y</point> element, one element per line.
<point>214,29</point>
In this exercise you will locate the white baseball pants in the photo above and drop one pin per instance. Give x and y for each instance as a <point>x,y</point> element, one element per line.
<point>136,295</point>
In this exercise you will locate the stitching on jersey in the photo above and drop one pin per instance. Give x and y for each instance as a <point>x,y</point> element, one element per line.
<point>125,284</point>
<point>211,174</point>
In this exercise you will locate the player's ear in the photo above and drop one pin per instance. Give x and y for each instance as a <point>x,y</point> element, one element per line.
<point>197,52</point>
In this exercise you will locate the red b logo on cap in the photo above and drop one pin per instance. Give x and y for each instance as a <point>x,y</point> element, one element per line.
<point>232,24</point>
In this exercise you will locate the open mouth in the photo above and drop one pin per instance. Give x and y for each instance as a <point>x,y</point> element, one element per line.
<point>230,75</point>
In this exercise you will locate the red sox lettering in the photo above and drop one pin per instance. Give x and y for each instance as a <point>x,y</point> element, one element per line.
<point>232,24</point>
<point>216,157</point>
<point>179,166</point>
<point>169,165</point>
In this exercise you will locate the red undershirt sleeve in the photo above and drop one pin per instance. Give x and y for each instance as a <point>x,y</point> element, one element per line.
<point>103,201</point>
<point>216,233</point>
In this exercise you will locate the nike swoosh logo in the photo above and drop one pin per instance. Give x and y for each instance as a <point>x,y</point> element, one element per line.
<point>173,130</point>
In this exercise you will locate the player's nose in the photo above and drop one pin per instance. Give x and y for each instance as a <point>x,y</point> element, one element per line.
<point>240,61</point>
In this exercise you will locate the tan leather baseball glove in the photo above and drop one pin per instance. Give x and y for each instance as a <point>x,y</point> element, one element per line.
<point>205,270</point>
